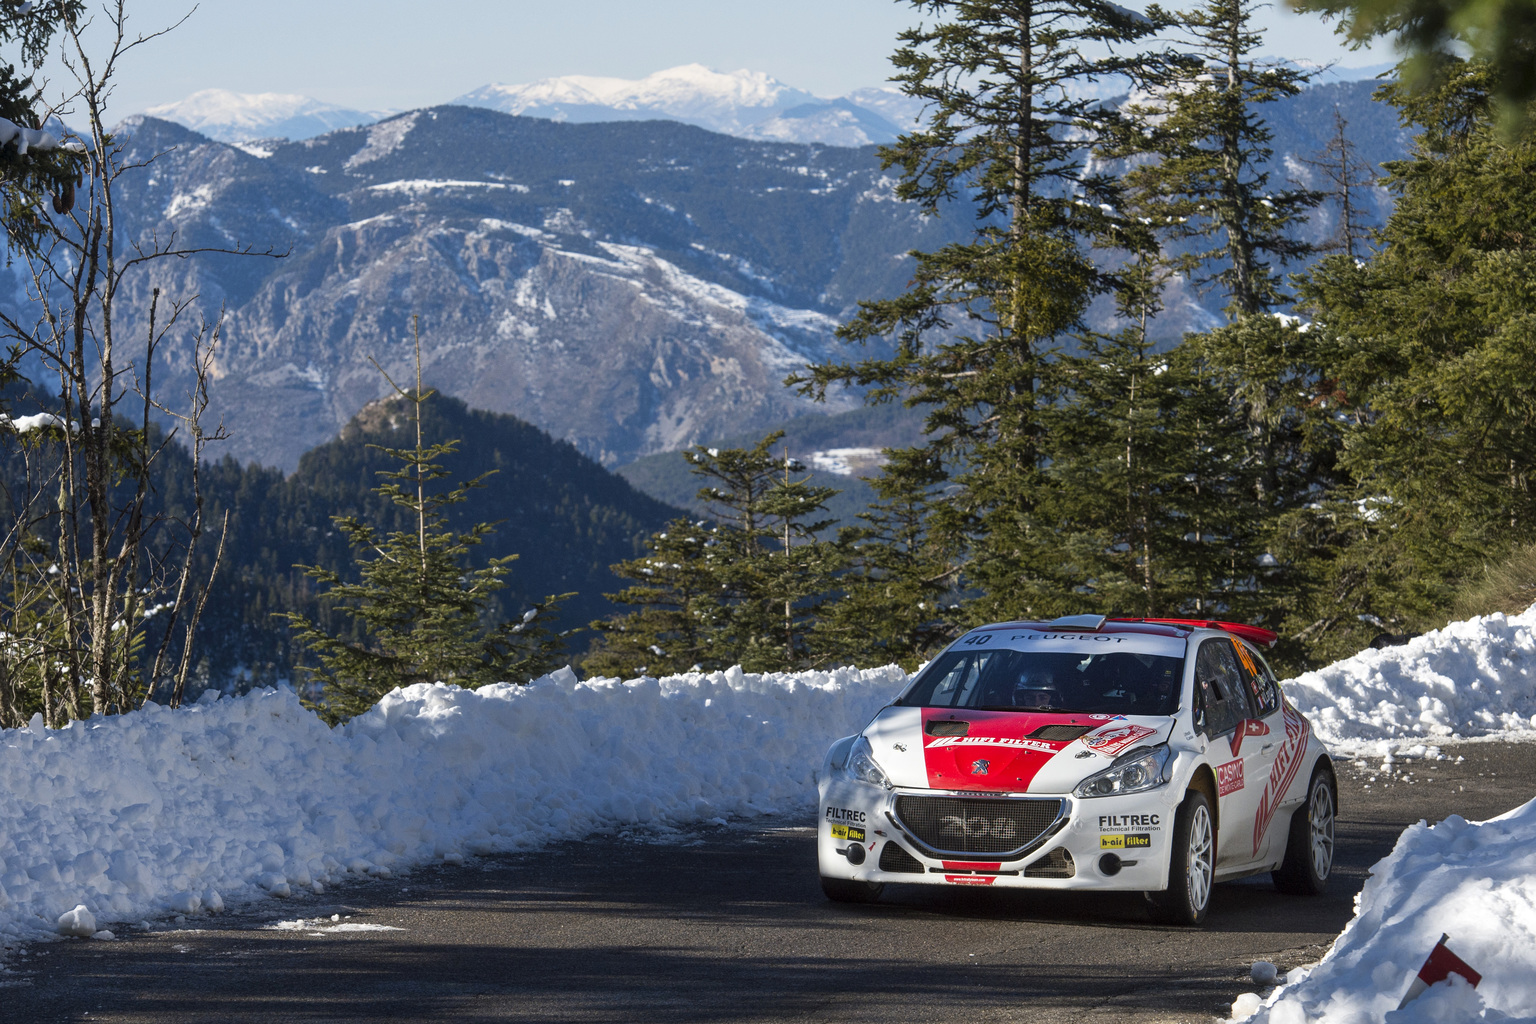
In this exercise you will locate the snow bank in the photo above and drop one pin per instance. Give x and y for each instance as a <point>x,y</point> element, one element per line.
<point>1472,679</point>
<point>164,811</point>
<point>1476,882</point>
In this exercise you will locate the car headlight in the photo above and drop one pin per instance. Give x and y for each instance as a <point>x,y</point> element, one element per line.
<point>862,765</point>
<point>1141,769</point>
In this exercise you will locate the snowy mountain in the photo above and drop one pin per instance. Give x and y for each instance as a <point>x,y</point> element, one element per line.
<point>748,104</point>
<point>628,287</point>
<point>243,116</point>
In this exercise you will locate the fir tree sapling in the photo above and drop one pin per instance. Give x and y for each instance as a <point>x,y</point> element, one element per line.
<point>745,587</point>
<point>418,609</point>
<point>897,600</point>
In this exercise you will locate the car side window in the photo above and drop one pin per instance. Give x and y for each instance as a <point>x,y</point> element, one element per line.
<point>1260,681</point>
<point>955,688</point>
<point>1219,687</point>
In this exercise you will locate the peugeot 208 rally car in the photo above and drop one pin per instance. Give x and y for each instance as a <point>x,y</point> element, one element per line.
<point>1084,753</point>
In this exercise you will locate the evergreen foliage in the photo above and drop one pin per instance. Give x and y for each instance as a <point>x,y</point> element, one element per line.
<point>28,177</point>
<point>1429,346</point>
<point>974,335</point>
<point>418,610</point>
<point>1348,176</point>
<point>1501,34</point>
<point>897,600</point>
<point>745,588</point>
<point>1210,148</point>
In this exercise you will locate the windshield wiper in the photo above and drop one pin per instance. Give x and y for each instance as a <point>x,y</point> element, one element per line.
<point>1016,707</point>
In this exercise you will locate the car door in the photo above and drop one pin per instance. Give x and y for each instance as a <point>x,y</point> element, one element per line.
<point>1266,733</point>
<point>1229,714</point>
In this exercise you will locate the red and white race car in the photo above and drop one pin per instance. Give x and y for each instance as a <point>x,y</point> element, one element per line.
<point>1152,755</point>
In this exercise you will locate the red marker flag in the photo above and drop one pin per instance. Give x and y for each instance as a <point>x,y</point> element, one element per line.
<point>1442,963</point>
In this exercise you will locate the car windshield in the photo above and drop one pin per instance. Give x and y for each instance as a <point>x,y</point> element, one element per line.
<point>1118,682</point>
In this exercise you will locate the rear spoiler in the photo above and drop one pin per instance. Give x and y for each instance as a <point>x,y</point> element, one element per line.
<point>1253,634</point>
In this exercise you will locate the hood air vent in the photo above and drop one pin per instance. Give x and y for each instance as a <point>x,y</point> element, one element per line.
<point>1060,732</point>
<point>950,728</point>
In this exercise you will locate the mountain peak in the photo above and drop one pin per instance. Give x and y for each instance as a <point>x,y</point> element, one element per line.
<point>239,116</point>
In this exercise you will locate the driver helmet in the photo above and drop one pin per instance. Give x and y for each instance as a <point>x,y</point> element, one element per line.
<point>1036,687</point>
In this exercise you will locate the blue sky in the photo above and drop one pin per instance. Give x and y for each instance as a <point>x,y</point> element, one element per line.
<point>378,54</point>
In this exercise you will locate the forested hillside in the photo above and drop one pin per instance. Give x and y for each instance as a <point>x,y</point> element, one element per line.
<point>566,518</point>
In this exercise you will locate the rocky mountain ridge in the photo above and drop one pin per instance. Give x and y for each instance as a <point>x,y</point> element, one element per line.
<point>629,287</point>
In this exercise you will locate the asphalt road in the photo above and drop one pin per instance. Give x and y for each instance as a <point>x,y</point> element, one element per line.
<point>728,924</point>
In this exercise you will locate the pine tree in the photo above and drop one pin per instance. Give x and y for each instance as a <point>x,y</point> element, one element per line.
<point>417,610</point>
<point>1429,349</point>
<point>1501,34</point>
<point>898,599</point>
<point>681,608</point>
<point>746,588</point>
<point>975,335</point>
<point>773,568</point>
<point>1209,147</point>
<point>1348,176</point>
<point>1118,465</point>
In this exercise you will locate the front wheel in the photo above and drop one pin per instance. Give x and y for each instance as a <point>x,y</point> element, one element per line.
<point>1309,845</point>
<point>1188,895</point>
<point>851,890</point>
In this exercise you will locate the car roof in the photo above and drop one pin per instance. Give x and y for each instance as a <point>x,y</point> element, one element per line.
<point>1156,626</point>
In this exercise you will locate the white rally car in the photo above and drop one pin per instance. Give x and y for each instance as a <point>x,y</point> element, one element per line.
<point>1151,755</point>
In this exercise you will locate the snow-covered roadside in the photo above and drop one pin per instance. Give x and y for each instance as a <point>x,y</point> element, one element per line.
<point>1474,881</point>
<point>1471,680</point>
<point>158,812</point>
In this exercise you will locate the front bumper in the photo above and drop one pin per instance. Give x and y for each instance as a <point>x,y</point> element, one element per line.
<point>861,835</point>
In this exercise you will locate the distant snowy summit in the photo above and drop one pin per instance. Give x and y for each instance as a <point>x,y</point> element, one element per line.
<point>747,104</point>
<point>244,116</point>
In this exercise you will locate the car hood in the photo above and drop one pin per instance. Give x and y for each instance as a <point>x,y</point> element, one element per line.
<point>1003,751</point>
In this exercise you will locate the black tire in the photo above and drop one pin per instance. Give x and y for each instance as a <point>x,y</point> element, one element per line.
<point>1191,868</point>
<point>1309,844</point>
<point>851,890</point>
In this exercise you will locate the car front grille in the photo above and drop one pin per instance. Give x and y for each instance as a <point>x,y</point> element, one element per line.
<point>976,826</point>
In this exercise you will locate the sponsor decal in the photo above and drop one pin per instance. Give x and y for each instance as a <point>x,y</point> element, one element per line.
<point>951,748</point>
<point>1044,746</point>
<point>967,865</point>
<point>852,832</point>
<point>1127,841</point>
<point>1086,638</point>
<point>1122,822</point>
<point>1110,742</point>
<point>980,767</point>
<point>843,814</point>
<point>971,879</point>
<point>1247,727</point>
<point>1229,777</point>
<point>1282,773</point>
<point>1247,660</point>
